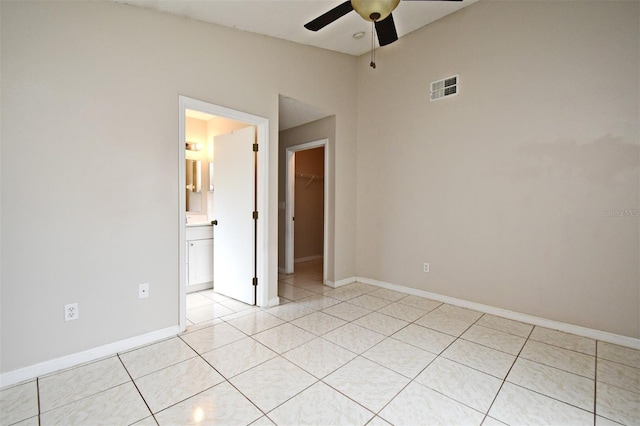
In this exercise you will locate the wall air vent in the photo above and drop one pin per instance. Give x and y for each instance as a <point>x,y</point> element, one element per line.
<point>444,88</point>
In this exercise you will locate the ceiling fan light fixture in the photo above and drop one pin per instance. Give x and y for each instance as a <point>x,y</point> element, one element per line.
<point>374,10</point>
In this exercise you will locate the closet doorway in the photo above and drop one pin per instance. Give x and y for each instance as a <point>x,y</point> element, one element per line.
<point>306,205</point>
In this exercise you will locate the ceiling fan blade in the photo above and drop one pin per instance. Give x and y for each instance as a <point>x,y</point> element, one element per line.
<point>431,0</point>
<point>386,30</point>
<point>327,18</point>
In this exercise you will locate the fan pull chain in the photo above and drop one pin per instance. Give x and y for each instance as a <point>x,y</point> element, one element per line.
<point>373,45</point>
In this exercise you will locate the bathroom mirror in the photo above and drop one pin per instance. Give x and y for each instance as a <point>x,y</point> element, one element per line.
<point>194,186</point>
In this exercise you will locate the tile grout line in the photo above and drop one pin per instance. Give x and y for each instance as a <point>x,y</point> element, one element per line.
<point>281,355</point>
<point>556,346</point>
<point>518,355</point>
<point>440,354</point>
<point>357,355</point>
<point>227,380</point>
<point>387,337</point>
<point>549,396</point>
<point>543,394</point>
<point>290,398</point>
<point>412,380</point>
<point>507,375</point>
<point>515,359</point>
<point>84,397</point>
<point>137,389</point>
<point>595,385</point>
<point>459,337</point>
<point>427,366</point>
<point>563,369</point>
<point>38,397</point>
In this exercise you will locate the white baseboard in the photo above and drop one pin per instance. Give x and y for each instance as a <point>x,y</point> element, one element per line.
<point>340,283</point>
<point>282,270</point>
<point>604,336</point>
<point>307,259</point>
<point>36,370</point>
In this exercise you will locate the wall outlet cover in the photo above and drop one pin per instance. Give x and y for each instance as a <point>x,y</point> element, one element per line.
<point>143,291</point>
<point>71,312</point>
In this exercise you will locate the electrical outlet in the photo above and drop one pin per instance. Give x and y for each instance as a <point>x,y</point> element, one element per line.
<point>425,267</point>
<point>143,291</point>
<point>71,312</point>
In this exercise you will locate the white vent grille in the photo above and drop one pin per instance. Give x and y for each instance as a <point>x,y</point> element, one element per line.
<point>444,88</point>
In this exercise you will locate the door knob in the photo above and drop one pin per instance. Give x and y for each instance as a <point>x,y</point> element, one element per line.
<point>214,222</point>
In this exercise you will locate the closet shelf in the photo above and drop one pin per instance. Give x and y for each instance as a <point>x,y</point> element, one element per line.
<point>310,177</point>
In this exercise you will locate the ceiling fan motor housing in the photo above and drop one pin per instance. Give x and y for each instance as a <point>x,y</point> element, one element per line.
<point>374,10</point>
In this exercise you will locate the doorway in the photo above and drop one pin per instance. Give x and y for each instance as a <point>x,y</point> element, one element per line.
<point>261,265</point>
<point>297,179</point>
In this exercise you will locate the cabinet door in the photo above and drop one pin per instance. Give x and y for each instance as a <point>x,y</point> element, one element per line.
<point>200,261</point>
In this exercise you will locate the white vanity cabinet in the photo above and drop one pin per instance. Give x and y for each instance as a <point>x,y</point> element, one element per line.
<point>199,257</point>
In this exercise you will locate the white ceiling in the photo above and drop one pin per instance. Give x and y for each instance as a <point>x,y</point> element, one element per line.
<point>284,19</point>
<point>293,113</point>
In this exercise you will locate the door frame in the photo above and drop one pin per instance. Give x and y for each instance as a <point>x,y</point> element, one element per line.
<point>289,231</point>
<point>262,191</point>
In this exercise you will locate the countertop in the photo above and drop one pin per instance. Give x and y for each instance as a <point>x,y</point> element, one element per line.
<point>199,224</point>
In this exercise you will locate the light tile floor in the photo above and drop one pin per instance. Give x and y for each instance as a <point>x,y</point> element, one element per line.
<point>349,356</point>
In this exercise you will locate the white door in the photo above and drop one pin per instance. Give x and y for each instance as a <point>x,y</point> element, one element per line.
<point>233,207</point>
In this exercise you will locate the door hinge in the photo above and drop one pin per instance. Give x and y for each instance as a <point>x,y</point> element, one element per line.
<point>255,147</point>
<point>255,281</point>
<point>255,215</point>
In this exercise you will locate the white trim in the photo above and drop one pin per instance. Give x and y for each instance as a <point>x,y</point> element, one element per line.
<point>263,207</point>
<point>288,211</point>
<point>604,336</point>
<point>182,212</point>
<point>262,134</point>
<point>273,302</point>
<point>36,370</point>
<point>282,271</point>
<point>308,258</point>
<point>289,204</point>
<point>340,283</point>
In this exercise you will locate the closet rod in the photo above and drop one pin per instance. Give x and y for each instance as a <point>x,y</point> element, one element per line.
<point>305,176</point>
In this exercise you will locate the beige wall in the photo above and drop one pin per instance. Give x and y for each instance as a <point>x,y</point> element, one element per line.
<point>102,211</point>
<point>510,190</point>
<point>315,131</point>
<point>505,189</point>
<point>309,204</point>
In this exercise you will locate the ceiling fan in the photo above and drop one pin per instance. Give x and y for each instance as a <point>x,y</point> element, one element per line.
<point>376,11</point>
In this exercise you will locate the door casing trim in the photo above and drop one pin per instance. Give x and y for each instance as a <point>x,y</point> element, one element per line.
<point>289,204</point>
<point>262,135</point>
